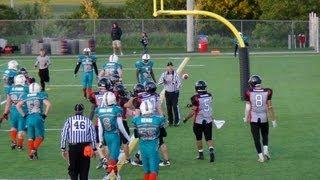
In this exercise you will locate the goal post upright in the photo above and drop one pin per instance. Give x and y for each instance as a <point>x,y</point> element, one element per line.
<point>243,50</point>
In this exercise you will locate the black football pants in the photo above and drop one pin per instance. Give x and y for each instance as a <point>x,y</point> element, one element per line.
<point>256,129</point>
<point>172,106</point>
<point>79,164</point>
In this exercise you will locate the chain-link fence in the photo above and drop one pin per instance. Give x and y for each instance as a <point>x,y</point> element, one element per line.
<point>163,34</point>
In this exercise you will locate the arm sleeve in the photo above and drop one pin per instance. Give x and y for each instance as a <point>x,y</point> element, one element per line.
<point>95,68</point>
<point>77,68</point>
<point>247,96</point>
<point>194,101</point>
<point>178,81</point>
<point>93,134</point>
<point>121,128</point>
<point>270,93</point>
<point>100,131</point>
<point>64,135</point>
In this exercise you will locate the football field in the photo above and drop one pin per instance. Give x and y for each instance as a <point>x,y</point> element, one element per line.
<point>294,144</point>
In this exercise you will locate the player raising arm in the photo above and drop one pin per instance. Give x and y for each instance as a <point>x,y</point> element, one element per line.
<point>35,117</point>
<point>202,113</point>
<point>258,106</point>
<point>88,62</point>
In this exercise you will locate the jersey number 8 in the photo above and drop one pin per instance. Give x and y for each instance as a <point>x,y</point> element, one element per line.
<point>258,98</point>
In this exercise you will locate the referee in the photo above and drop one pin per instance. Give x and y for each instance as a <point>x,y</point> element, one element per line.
<point>79,134</point>
<point>172,83</point>
<point>43,61</point>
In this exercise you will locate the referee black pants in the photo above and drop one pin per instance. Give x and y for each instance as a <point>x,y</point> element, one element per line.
<point>79,164</point>
<point>172,106</point>
<point>256,129</point>
<point>44,77</point>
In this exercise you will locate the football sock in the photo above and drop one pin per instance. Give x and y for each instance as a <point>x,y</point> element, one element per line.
<point>13,135</point>
<point>37,142</point>
<point>211,149</point>
<point>146,176</point>
<point>89,91</point>
<point>84,90</point>
<point>153,176</point>
<point>112,166</point>
<point>30,145</point>
<point>265,149</point>
<point>20,142</point>
<point>260,155</point>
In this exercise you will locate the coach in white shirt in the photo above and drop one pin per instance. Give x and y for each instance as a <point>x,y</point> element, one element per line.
<point>43,62</point>
<point>172,83</point>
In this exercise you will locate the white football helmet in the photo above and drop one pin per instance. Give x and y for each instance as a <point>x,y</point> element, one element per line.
<point>34,88</point>
<point>145,57</point>
<point>146,107</point>
<point>13,64</point>
<point>113,58</point>
<point>19,80</point>
<point>86,51</point>
<point>109,98</point>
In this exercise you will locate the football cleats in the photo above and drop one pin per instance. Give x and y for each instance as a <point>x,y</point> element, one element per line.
<point>145,58</point>
<point>151,87</point>
<point>86,51</point>
<point>254,81</point>
<point>146,108</point>
<point>109,98</point>
<point>113,58</point>
<point>19,80</point>
<point>138,88</point>
<point>13,64</point>
<point>200,86</point>
<point>34,88</point>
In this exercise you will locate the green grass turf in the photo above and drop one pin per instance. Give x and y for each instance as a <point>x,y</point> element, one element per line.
<point>294,144</point>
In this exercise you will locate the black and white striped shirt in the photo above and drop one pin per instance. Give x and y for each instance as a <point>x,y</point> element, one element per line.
<point>171,81</point>
<point>78,129</point>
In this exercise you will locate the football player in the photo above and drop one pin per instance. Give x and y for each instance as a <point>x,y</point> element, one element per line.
<point>258,106</point>
<point>111,68</point>
<point>202,118</point>
<point>35,116</point>
<point>144,71</point>
<point>110,124</point>
<point>122,99</point>
<point>29,79</point>
<point>96,98</point>
<point>148,128</point>
<point>18,123</point>
<point>9,74</point>
<point>154,98</point>
<point>88,62</point>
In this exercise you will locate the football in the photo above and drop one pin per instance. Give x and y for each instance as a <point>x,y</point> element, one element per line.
<point>185,76</point>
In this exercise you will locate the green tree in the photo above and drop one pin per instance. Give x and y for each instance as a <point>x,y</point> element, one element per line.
<point>7,12</point>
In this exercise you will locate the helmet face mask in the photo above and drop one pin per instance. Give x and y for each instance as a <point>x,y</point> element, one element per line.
<point>86,51</point>
<point>254,81</point>
<point>200,86</point>
<point>19,80</point>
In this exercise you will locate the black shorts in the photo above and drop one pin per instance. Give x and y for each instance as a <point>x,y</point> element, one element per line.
<point>206,129</point>
<point>126,127</point>
<point>44,75</point>
<point>97,133</point>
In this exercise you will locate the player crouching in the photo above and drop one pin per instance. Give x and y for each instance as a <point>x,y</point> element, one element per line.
<point>202,115</point>
<point>148,128</point>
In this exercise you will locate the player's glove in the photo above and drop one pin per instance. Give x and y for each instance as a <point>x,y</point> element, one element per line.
<point>4,116</point>
<point>274,123</point>
<point>75,75</point>
<point>44,116</point>
<point>185,120</point>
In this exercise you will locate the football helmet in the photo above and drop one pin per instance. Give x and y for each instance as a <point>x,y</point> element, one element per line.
<point>138,88</point>
<point>145,58</point>
<point>109,98</point>
<point>151,87</point>
<point>113,58</point>
<point>13,64</point>
<point>146,108</point>
<point>34,88</point>
<point>254,81</point>
<point>200,86</point>
<point>19,80</point>
<point>86,51</point>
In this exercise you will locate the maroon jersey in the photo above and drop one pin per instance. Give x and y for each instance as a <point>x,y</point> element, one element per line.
<point>96,98</point>
<point>258,97</point>
<point>203,104</point>
<point>121,101</point>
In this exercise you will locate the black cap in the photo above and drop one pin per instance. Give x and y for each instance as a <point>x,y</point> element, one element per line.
<point>170,64</point>
<point>79,107</point>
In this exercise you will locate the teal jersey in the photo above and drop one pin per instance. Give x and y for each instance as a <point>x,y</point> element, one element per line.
<point>87,62</point>
<point>9,75</point>
<point>148,127</point>
<point>144,71</point>
<point>111,68</point>
<point>16,93</point>
<point>244,37</point>
<point>108,117</point>
<point>34,102</point>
